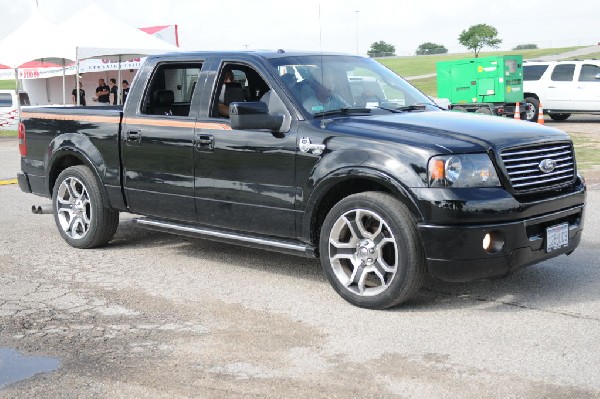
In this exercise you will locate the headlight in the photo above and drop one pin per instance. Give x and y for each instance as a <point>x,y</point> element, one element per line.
<point>465,170</point>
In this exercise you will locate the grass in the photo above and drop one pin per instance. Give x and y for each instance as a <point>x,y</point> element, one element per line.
<point>425,64</point>
<point>585,57</point>
<point>8,133</point>
<point>587,151</point>
<point>427,85</point>
<point>7,85</point>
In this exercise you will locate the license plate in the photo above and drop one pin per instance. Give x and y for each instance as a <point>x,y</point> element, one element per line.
<point>557,237</point>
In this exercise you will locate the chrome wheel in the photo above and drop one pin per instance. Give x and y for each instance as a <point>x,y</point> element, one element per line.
<point>530,112</point>
<point>363,252</point>
<point>74,208</point>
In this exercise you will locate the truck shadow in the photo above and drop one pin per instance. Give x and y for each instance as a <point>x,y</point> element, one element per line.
<point>552,286</point>
<point>128,236</point>
<point>558,282</point>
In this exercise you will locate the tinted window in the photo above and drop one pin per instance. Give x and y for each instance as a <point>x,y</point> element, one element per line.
<point>588,73</point>
<point>563,73</point>
<point>534,72</point>
<point>329,83</point>
<point>5,100</point>
<point>170,90</point>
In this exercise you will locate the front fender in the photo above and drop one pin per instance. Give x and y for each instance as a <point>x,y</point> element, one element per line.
<point>328,182</point>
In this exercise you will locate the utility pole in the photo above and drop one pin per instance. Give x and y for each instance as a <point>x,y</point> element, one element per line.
<point>357,13</point>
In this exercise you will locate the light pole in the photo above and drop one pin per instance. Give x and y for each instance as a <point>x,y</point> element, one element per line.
<point>357,12</point>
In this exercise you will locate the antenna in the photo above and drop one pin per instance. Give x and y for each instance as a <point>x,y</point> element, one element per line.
<point>320,31</point>
<point>321,46</point>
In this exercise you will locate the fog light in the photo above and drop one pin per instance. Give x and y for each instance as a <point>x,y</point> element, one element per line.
<point>487,240</point>
<point>493,242</point>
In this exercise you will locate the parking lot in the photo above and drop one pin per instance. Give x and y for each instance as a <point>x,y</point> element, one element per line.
<point>155,315</point>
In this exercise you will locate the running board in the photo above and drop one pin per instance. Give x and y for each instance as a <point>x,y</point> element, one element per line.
<point>285,246</point>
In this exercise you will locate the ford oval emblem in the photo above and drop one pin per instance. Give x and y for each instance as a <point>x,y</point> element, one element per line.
<point>547,165</point>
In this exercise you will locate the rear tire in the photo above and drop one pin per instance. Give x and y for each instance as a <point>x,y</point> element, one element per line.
<point>371,252</point>
<point>82,216</point>
<point>559,117</point>
<point>533,109</point>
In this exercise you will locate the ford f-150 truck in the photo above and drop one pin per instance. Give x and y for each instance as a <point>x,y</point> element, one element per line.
<point>320,155</point>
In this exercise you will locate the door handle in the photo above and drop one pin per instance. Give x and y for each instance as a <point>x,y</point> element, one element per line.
<point>134,136</point>
<point>552,87</point>
<point>205,142</point>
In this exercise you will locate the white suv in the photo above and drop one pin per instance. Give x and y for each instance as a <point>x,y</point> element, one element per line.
<point>563,88</point>
<point>10,102</point>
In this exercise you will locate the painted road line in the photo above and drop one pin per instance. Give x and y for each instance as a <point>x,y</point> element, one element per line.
<point>10,181</point>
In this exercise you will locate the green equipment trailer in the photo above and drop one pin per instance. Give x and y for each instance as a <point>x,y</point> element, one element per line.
<point>488,85</point>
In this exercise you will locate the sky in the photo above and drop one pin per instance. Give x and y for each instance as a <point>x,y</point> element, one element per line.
<point>349,26</point>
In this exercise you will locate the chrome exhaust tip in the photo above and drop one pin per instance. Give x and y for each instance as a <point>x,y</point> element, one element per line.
<point>45,209</point>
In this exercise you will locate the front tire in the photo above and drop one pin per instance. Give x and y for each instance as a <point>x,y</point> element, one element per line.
<point>82,216</point>
<point>371,252</point>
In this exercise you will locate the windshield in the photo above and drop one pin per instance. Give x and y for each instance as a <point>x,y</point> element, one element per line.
<point>337,82</point>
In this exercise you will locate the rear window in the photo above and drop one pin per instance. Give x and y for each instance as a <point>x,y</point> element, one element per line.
<point>5,100</point>
<point>534,72</point>
<point>589,73</point>
<point>563,73</point>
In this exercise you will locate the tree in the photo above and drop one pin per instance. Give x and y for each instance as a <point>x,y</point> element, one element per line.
<point>478,37</point>
<point>431,48</point>
<point>529,46</point>
<point>381,49</point>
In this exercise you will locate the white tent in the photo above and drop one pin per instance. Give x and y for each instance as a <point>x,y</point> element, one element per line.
<point>36,39</point>
<point>114,40</point>
<point>110,38</point>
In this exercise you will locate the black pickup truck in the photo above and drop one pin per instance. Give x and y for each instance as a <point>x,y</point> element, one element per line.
<point>319,155</point>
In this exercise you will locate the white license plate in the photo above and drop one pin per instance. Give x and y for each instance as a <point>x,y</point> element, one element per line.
<point>557,237</point>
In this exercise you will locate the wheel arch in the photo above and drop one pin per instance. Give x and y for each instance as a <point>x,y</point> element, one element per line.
<point>345,182</point>
<point>73,149</point>
<point>527,94</point>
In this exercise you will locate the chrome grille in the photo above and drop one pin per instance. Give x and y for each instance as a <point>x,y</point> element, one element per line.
<point>525,173</point>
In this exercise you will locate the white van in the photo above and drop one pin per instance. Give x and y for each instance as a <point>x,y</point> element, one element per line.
<point>9,108</point>
<point>563,87</point>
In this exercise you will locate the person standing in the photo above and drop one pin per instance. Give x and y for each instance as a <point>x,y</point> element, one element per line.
<point>81,95</point>
<point>125,85</point>
<point>114,91</point>
<point>103,93</point>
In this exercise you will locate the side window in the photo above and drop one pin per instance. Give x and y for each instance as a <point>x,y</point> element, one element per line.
<point>170,90</point>
<point>236,83</point>
<point>563,73</point>
<point>5,100</point>
<point>533,72</point>
<point>589,73</point>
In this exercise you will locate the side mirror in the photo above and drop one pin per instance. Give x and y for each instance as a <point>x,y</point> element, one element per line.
<point>597,77</point>
<point>253,115</point>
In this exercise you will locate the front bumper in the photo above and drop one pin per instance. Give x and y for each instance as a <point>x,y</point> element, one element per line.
<point>456,253</point>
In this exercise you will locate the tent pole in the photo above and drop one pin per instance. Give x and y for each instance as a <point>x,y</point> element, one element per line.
<point>64,87</point>
<point>77,76</point>
<point>119,82</point>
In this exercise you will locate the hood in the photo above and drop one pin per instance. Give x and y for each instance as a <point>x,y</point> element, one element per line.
<point>450,131</point>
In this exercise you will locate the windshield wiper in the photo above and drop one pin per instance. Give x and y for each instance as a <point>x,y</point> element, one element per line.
<point>344,111</point>
<point>408,108</point>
